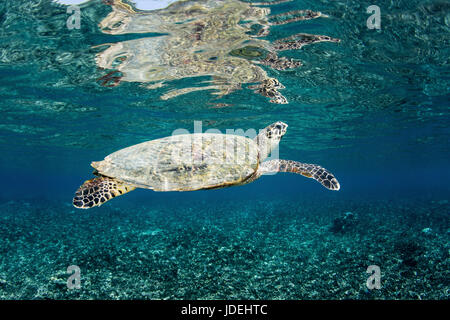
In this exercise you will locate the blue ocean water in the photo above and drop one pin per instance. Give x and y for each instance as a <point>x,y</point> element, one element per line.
<point>372,108</point>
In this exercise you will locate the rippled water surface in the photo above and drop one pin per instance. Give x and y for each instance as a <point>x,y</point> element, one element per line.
<point>372,106</point>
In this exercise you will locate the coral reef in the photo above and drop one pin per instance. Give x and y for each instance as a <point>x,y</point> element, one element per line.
<point>214,250</point>
<point>345,223</point>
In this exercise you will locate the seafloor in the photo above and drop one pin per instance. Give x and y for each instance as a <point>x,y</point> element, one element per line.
<point>238,250</point>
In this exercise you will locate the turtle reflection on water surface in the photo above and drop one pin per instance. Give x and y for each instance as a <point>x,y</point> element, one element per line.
<point>215,38</point>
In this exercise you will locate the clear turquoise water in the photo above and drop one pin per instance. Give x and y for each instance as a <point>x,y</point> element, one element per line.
<point>373,109</point>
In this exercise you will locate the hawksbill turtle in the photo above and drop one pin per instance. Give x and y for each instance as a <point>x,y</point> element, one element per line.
<point>190,162</point>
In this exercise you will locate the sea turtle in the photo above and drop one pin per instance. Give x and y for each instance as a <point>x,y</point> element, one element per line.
<point>190,162</point>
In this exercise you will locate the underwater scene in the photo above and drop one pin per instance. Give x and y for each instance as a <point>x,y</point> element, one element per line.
<point>225,149</point>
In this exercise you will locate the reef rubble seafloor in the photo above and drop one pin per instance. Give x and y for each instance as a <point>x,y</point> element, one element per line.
<point>238,250</point>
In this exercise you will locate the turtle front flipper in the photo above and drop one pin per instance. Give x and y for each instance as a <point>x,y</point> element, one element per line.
<point>95,192</point>
<point>314,171</point>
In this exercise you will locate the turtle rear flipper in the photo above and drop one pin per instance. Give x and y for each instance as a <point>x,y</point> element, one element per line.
<point>95,192</point>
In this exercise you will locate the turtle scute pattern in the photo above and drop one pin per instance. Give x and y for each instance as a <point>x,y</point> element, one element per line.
<point>96,191</point>
<point>184,162</point>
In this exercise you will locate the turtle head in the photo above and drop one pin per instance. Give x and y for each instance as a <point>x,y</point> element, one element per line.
<point>269,138</point>
<point>275,131</point>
